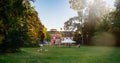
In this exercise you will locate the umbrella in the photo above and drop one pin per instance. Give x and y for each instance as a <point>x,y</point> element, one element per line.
<point>68,41</point>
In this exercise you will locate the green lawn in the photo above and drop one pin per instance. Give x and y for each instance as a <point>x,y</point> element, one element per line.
<point>85,54</point>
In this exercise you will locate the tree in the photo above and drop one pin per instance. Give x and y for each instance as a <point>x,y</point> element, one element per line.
<point>72,24</point>
<point>77,22</point>
<point>95,12</point>
<point>18,23</point>
<point>88,16</point>
<point>77,37</point>
<point>12,26</point>
<point>80,7</point>
<point>35,27</point>
<point>47,35</point>
<point>103,35</point>
<point>116,22</point>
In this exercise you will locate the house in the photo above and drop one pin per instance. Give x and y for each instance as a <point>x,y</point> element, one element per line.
<point>61,35</point>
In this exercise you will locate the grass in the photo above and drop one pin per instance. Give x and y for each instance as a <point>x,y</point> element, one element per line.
<point>84,54</point>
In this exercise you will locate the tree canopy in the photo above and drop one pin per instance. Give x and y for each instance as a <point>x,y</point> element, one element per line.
<point>19,25</point>
<point>94,18</point>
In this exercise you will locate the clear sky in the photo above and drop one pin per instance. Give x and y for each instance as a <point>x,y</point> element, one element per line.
<point>53,13</point>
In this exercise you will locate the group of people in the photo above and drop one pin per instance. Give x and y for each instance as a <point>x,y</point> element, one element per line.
<point>41,44</point>
<point>53,42</point>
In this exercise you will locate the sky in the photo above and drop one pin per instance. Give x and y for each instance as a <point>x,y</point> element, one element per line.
<point>53,13</point>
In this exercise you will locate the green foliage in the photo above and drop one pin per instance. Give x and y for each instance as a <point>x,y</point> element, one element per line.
<point>17,19</point>
<point>48,38</point>
<point>104,39</point>
<point>77,37</point>
<point>14,34</point>
<point>88,17</point>
<point>104,31</point>
<point>34,25</point>
<point>105,24</point>
<point>116,21</point>
<point>111,24</point>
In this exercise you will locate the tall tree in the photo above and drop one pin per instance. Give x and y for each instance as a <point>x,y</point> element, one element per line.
<point>88,16</point>
<point>116,21</point>
<point>12,25</point>
<point>104,28</point>
<point>35,27</point>
<point>18,23</point>
<point>80,7</point>
<point>96,10</point>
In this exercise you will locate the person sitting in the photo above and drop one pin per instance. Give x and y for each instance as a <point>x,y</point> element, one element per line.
<point>78,45</point>
<point>41,44</point>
